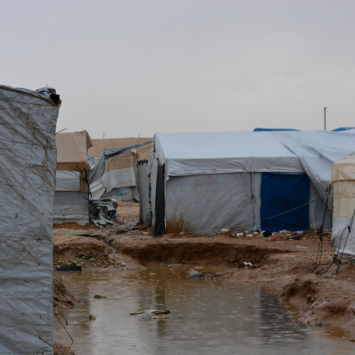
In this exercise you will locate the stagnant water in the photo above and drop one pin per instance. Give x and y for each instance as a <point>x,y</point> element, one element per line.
<point>208,317</point>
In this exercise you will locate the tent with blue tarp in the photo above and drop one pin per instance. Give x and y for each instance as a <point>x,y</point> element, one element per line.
<point>340,129</point>
<point>239,180</point>
<point>273,129</point>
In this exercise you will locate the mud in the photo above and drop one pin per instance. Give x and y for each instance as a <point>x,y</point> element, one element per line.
<point>62,299</point>
<point>60,349</point>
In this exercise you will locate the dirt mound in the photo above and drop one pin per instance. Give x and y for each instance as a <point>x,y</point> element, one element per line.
<point>198,253</point>
<point>76,247</point>
<point>75,226</point>
<point>62,298</point>
<point>305,290</point>
<point>60,349</point>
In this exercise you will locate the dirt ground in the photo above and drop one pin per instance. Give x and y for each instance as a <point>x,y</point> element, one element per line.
<point>286,265</point>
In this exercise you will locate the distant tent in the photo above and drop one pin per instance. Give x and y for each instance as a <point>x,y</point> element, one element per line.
<point>343,129</point>
<point>343,180</point>
<point>98,145</point>
<point>273,129</point>
<point>71,199</point>
<point>115,174</point>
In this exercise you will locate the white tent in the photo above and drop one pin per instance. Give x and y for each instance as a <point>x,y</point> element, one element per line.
<point>343,180</point>
<point>215,180</point>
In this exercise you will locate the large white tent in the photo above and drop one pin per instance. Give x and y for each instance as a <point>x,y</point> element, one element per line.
<point>210,181</point>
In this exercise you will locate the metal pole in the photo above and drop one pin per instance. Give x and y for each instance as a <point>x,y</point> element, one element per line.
<point>325,118</point>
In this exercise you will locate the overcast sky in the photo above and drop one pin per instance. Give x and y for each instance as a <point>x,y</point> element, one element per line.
<point>130,68</point>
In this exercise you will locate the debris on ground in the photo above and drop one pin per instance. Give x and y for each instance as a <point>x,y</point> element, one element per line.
<point>152,312</point>
<point>103,212</point>
<point>203,275</point>
<point>98,297</point>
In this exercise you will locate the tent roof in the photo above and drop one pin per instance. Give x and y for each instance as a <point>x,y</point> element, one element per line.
<point>100,144</point>
<point>223,152</point>
<point>72,151</point>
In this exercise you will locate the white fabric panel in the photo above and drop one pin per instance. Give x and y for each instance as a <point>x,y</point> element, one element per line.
<point>97,189</point>
<point>71,207</point>
<point>115,179</point>
<point>27,127</point>
<point>208,203</point>
<point>67,180</point>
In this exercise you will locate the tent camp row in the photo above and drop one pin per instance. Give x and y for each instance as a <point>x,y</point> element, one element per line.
<point>114,175</point>
<point>86,185</point>
<point>273,180</point>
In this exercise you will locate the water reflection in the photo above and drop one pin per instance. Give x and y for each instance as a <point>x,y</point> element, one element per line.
<point>209,316</point>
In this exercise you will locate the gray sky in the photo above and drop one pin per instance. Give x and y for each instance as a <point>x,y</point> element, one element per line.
<point>130,68</point>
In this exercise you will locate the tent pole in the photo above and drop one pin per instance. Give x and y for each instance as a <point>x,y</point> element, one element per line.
<point>325,118</point>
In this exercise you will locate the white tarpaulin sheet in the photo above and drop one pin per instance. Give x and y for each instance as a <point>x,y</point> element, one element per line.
<point>71,207</point>
<point>27,179</point>
<point>68,180</point>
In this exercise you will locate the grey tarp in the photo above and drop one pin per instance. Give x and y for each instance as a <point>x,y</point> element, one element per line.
<point>27,180</point>
<point>71,207</point>
<point>98,169</point>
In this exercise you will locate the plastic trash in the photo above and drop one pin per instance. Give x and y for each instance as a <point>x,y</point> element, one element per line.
<point>224,230</point>
<point>298,246</point>
<point>267,234</point>
<point>249,235</point>
<point>299,232</point>
<point>247,263</point>
<point>273,239</point>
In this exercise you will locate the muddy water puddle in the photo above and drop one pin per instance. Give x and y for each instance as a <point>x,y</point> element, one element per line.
<point>208,317</point>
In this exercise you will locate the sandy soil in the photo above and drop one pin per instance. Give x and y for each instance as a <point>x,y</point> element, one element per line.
<point>286,265</point>
<point>60,349</point>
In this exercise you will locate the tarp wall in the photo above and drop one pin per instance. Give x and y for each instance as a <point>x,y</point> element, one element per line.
<point>27,179</point>
<point>71,207</point>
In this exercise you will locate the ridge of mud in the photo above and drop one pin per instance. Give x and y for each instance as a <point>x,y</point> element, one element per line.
<point>216,253</point>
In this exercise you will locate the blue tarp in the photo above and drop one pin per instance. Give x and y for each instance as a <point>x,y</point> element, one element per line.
<point>343,129</point>
<point>273,129</point>
<point>281,193</point>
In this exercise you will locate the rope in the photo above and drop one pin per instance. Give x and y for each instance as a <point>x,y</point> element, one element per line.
<point>264,219</point>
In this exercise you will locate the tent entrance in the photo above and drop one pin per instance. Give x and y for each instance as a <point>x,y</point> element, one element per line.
<point>281,193</point>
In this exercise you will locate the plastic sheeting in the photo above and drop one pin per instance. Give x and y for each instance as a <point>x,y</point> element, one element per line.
<point>222,153</point>
<point>71,207</point>
<point>27,127</point>
<point>208,203</point>
<point>312,152</point>
<point>143,185</point>
<point>317,151</point>
<point>68,181</point>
